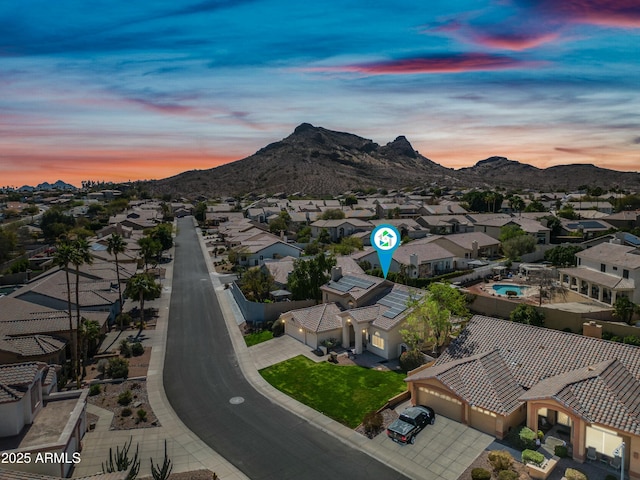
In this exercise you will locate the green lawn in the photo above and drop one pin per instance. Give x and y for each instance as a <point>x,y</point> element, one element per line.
<point>344,393</point>
<point>259,337</point>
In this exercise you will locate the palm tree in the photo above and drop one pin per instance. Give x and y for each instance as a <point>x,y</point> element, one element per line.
<point>116,245</point>
<point>63,257</point>
<point>143,287</point>
<point>88,331</point>
<point>81,256</point>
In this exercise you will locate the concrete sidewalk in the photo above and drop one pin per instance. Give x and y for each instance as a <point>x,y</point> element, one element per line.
<point>186,451</point>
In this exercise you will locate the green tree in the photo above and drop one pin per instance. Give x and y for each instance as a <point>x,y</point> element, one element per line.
<point>563,255</point>
<point>516,203</point>
<point>256,284</point>
<point>350,200</point>
<point>347,246</point>
<point>115,246</point>
<point>332,214</point>
<point>309,275</point>
<point>304,234</point>
<point>81,256</point>
<point>535,206</point>
<point>8,242</point>
<point>515,247</point>
<point>567,212</point>
<point>510,231</point>
<point>280,223</point>
<point>527,314</point>
<point>150,250</point>
<point>201,212</point>
<point>142,286</point>
<point>553,223</point>
<point>324,237</point>
<point>89,333</point>
<point>623,308</point>
<point>63,257</point>
<point>163,234</point>
<point>55,224</point>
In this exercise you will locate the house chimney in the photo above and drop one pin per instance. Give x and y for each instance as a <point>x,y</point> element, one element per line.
<point>413,260</point>
<point>474,249</point>
<point>336,273</point>
<point>592,329</point>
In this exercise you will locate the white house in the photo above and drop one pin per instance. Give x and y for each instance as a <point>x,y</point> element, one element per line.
<point>605,272</point>
<point>28,403</point>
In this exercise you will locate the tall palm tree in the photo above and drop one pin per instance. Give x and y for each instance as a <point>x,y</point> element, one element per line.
<point>116,245</point>
<point>81,256</point>
<point>89,332</point>
<point>62,258</point>
<point>143,287</point>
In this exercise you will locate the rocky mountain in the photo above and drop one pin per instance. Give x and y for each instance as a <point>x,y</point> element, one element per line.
<point>509,173</point>
<point>58,185</point>
<point>318,161</point>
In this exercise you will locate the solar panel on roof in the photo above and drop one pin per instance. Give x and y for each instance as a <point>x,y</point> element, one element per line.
<point>348,282</point>
<point>396,301</point>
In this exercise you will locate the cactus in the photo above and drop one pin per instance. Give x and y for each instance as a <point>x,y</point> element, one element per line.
<point>121,461</point>
<point>161,473</point>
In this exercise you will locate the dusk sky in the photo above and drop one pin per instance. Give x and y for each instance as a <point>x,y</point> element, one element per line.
<point>119,90</point>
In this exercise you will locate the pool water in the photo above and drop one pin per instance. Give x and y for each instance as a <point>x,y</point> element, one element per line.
<point>501,289</point>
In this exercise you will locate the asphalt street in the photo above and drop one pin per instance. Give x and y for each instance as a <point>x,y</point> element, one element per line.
<point>207,390</point>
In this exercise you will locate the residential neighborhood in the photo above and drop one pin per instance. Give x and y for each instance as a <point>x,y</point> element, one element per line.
<point>537,327</point>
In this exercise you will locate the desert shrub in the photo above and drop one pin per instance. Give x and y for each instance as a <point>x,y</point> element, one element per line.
<point>540,435</point>
<point>561,451</point>
<point>531,456</point>
<point>507,475</point>
<point>527,438</point>
<point>94,389</point>
<point>125,349</point>
<point>125,398</point>
<point>102,365</point>
<point>137,349</point>
<point>277,328</point>
<point>118,368</point>
<point>124,320</point>
<point>126,412</point>
<point>372,423</point>
<point>500,460</point>
<point>142,415</point>
<point>411,360</point>
<point>480,474</point>
<point>573,474</point>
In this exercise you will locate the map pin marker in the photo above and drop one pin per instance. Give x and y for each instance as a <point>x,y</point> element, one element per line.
<point>385,239</point>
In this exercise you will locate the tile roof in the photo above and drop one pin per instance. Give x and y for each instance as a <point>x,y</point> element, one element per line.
<point>621,255</point>
<point>425,252</point>
<point>319,318</point>
<point>16,378</point>
<point>597,379</point>
<point>32,345</point>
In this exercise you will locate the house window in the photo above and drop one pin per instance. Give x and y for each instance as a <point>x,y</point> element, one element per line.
<point>377,341</point>
<point>625,273</point>
<point>261,257</point>
<point>603,267</point>
<point>603,440</point>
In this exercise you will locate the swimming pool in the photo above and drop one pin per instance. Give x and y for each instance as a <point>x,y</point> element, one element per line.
<point>502,289</point>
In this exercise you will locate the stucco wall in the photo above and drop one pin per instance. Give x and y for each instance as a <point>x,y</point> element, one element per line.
<point>264,312</point>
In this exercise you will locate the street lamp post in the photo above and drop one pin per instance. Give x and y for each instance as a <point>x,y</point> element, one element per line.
<point>620,451</point>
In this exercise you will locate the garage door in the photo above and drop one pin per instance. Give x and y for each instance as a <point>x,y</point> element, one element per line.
<point>483,420</point>
<point>442,403</point>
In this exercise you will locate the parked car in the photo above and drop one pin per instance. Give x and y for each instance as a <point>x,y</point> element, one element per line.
<point>410,423</point>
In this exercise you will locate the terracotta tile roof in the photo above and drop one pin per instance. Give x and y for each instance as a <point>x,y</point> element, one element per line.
<point>16,378</point>
<point>32,345</point>
<point>597,379</point>
<point>319,318</point>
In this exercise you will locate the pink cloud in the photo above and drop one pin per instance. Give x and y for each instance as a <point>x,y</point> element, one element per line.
<point>456,63</point>
<point>613,13</point>
<point>515,42</point>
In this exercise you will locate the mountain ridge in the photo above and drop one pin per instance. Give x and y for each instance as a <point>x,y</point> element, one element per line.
<point>319,161</point>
